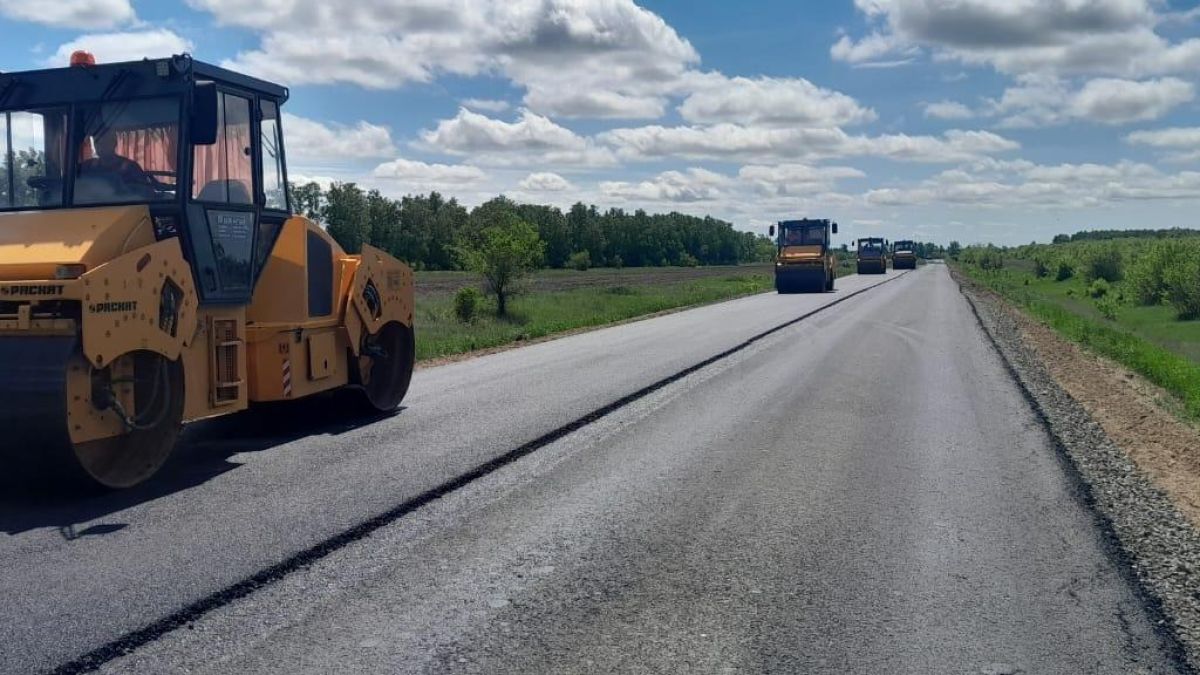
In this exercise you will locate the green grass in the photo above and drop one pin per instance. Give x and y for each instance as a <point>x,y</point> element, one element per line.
<point>614,297</point>
<point>1147,340</point>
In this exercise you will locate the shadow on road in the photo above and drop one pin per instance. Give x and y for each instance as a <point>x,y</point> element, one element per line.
<point>204,452</point>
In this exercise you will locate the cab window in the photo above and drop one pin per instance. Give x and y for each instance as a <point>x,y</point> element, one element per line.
<point>128,152</point>
<point>271,180</point>
<point>223,172</point>
<point>33,143</point>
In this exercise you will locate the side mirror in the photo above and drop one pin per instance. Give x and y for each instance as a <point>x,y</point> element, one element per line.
<point>835,228</point>
<point>204,114</point>
<point>771,231</point>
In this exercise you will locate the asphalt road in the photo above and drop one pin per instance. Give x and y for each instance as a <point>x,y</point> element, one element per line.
<point>863,491</point>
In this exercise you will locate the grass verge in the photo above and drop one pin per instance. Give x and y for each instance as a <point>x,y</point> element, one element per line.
<point>543,313</point>
<point>1077,322</point>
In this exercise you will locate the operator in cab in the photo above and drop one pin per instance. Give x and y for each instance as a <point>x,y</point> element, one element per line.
<point>109,176</point>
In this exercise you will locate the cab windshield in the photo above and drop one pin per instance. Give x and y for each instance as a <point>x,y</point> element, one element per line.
<point>873,246</point>
<point>124,152</point>
<point>129,152</point>
<point>804,235</point>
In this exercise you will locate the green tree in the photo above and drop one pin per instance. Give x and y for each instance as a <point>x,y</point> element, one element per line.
<point>954,249</point>
<point>346,216</point>
<point>503,253</point>
<point>306,199</point>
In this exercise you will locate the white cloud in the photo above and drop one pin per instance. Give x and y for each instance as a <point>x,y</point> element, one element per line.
<point>545,182</point>
<point>1179,144</point>
<point>486,104</point>
<point>1020,184</point>
<point>1095,37</point>
<point>1045,100</point>
<point>127,46</point>
<point>795,179</point>
<point>773,102</point>
<point>730,142</point>
<point>594,58</point>
<point>692,185</point>
<point>948,110</point>
<point>1112,101</point>
<point>426,175</point>
<point>335,143</point>
<point>530,139</point>
<point>81,14</point>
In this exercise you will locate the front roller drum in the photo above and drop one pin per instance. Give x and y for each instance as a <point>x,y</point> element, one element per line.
<point>385,364</point>
<point>71,425</point>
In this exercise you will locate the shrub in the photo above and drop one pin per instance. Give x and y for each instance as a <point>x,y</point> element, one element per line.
<point>1182,281</point>
<point>1041,268</point>
<point>466,303</point>
<point>616,262</point>
<point>580,260</point>
<point>1145,275</point>
<point>1098,288</point>
<point>1102,261</point>
<point>1108,306</point>
<point>688,260</point>
<point>1065,271</point>
<point>991,259</point>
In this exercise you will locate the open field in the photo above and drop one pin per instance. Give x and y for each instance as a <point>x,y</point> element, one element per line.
<point>564,300</point>
<point>1149,339</point>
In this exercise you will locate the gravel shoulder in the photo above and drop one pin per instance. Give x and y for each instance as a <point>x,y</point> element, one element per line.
<point>1136,463</point>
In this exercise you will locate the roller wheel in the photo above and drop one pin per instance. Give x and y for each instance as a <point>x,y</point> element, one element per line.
<point>128,459</point>
<point>385,366</point>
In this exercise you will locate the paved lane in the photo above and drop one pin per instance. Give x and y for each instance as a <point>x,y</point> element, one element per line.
<point>865,492</point>
<point>249,492</point>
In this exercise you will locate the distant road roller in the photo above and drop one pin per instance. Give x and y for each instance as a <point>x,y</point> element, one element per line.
<point>871,256</point>
<point>804,259</point>
<point>904,255</point>
<point>152,271</point>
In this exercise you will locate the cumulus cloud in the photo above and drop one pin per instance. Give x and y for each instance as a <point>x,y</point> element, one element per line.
<point>530,138</point>
<point>81,14</point>
<point>593,58</point>
<point>125,46</point>
<point>1024,184</point>
<point>795,179</point>
<point>333,143</point>
<point>692,185</point>
<point>948,110</point>
<point>1045,100</point>
<point>1098,37</point>
<point>773,102</point>
<point>544,182</point>
<point>1179,144</point>
<point>731,142</point>
<point>422,174</point>
<point>486,104</point>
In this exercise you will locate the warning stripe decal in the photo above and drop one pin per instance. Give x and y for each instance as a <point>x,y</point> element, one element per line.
<point>287,377</point>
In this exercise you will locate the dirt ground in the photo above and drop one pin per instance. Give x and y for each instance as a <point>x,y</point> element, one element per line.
<point>1134,413</point>
<point>436,283</point>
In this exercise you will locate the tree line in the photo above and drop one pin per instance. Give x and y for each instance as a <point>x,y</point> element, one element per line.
<point>427,231</point>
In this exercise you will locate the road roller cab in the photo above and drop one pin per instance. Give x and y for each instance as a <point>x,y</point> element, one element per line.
<point>904,255</point>
<point>871,255</point>
<point>804,259</point>
<point>151,270</point>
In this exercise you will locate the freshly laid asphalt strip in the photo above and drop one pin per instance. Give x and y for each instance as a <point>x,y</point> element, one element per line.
<point>249,492</point>
<point>866,491</point>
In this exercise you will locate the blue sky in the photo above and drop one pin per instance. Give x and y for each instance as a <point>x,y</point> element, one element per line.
<point>975,120</point>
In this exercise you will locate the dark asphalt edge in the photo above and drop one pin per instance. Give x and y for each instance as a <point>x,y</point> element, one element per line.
<point>130,642</point>
<point>1100,474</point>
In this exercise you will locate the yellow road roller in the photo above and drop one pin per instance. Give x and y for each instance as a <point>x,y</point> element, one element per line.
<point>904,255</point>
<point>804,258</point>
<point>152,271</point>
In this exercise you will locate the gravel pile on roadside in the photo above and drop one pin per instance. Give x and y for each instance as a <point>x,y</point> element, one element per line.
<point>1146,530</point>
